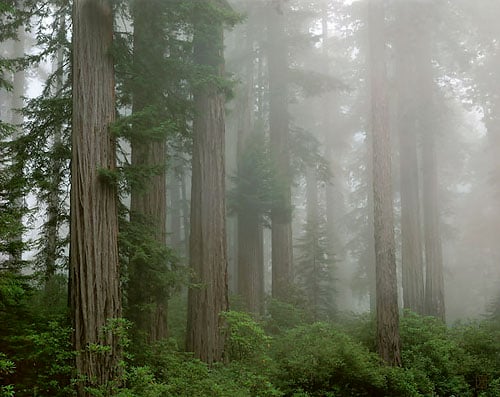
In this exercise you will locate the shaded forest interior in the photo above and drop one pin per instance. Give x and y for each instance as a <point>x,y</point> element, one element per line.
<point>249,198</point>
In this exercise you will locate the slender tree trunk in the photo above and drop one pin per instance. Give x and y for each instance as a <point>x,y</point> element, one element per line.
<point>185,199</point>
<point>17,105</point>
<point>313,223</point>
<point>53,202</point>
<point>411,230</point>
<point>208,297</point>
<point>95,276</point>
<point>388,341</point>
<point>175,209</point>
<point>281,218</point>
<point>434,285</point>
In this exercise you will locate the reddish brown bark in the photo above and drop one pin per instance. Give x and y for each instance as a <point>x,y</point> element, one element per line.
<point>388,341</point>
<point>94,276</point>
<point>411,228</point>
<point>208,297</point>
<point>281,230</point>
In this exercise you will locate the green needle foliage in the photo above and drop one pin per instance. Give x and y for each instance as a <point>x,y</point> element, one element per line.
<point>315,270</point>
<point>255,184</point>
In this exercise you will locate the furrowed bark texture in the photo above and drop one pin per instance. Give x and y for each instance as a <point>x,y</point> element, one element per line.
<point>388,341</point>
<point>281,231</point>
<point>208,298</point>
<point>94,276</point>
<point>148,301</point>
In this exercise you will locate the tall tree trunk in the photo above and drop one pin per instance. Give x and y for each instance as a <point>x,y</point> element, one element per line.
<point>53,201</point>
<point>186,215</point>
<point>250,232</point>
<point>388,341</point>
<point>434,282</point>
<point>148,299</point>
<point>175,210</point>
<point>17,106</point>
<point>95,276</point>
<point>281,218</point>
<point>251,261</point>
<point>411,230</point>
<point>208,297</point>
<point>313,223</point>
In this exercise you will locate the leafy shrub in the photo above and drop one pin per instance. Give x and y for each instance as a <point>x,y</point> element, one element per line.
<point>481,341</point>
<point>319,360</point>
<point>6,367</point>
<point>283,316</point>
<point>493,389</point>
<point>172,373</point>
<point>246,339</point>
<point>437,361</point>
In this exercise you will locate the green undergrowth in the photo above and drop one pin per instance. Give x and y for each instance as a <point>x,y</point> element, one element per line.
<point>280,353</point>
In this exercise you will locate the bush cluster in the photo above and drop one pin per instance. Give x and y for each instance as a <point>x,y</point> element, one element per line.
<point>282,354</point>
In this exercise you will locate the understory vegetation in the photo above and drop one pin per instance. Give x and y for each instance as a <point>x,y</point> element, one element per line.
<point>283,353</point>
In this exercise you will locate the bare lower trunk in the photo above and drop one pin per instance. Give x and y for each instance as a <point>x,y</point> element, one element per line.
<point>95,276</point>
<point>208,296</point>
<point>185,212</point>
<point>434,282</point>
<point>175,211</point>
<point>251,262</point>
<point>313,220</point>
<point>388,341</point>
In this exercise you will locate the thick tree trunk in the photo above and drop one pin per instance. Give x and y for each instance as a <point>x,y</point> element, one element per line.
<point>388,341</point>
<point>434,281</point>
<point>251,262</point>
<point>94,276</point>
<point>411,230</point>
<point>148,206</point>
<point>208,297</point>
<point>281,218</point>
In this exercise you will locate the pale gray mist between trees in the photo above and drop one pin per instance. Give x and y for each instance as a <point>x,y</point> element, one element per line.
<point>169,161</point>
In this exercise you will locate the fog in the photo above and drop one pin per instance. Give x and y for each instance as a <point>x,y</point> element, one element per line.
<point>299,153</point>
<point>442,59</point>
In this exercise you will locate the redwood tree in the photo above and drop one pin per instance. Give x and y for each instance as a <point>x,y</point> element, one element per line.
<point>281,218</point>
<point>94,275</point>
<point>208,295</point>
<point>411,229</point>
<point>148,294</point>
<point>388,341</point>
